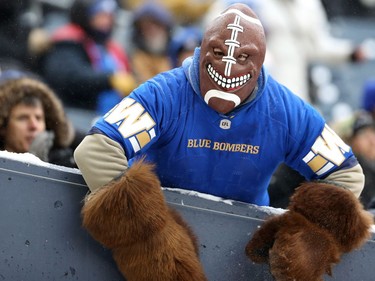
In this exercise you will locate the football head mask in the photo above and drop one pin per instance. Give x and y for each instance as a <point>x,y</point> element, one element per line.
<point>232,55</point>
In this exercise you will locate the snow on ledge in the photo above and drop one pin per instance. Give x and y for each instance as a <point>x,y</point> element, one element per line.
<point>201,195</point>
<point>266,209</point>
<point>29,158</point>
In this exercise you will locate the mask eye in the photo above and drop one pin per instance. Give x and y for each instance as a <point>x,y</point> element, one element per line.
<point>218,53</point>
<point>243,57</point>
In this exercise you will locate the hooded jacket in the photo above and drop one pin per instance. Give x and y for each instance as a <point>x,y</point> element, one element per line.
<point>74,64</point>
<point>13,91</point>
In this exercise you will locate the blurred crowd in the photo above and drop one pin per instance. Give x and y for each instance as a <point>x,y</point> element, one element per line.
<point>86,55</point>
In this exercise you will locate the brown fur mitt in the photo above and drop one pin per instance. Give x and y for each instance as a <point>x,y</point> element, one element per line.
<point>149,241</point>
<point>323,221</point>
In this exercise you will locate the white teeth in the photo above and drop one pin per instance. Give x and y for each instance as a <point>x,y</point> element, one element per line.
<point>227,82</point>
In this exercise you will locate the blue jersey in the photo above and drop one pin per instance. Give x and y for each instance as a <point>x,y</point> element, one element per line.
<point>231,156</point>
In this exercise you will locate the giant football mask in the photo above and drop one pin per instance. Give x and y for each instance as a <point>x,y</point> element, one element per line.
<point>232,55</point>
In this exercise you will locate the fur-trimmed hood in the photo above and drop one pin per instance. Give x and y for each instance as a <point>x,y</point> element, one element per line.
<point>13,91</point>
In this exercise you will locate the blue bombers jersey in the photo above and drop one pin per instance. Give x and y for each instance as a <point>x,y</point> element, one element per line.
<point>232,156</point>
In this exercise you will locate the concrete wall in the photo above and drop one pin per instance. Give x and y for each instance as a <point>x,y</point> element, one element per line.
<point>41,237</point>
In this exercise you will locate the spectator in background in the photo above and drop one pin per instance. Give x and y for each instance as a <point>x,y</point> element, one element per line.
<point>21,40</point>
<point>358,131</point>
<point>363,135</point>
<point>32,120</point>
<point>362,141</point>
<point>151,36</point>
<point>184,42</point>
<point>85,67</point>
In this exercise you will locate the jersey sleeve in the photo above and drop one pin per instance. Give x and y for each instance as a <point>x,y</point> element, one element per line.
<point>136,122</point>
<point>315,150</point>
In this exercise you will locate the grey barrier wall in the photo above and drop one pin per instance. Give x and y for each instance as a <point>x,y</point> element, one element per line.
<point>42,239</point>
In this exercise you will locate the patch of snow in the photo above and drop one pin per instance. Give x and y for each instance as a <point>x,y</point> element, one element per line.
<point>199,194</point>
<point>29,158</point>
<point>270,210</point>
<point>266,209</point>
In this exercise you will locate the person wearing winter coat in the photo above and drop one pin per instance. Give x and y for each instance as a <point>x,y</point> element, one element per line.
<point>32,119</point>
<point>85,66</point>
<point>151,36</point>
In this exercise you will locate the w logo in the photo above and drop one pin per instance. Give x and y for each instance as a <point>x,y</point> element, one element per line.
<point>133,122</point>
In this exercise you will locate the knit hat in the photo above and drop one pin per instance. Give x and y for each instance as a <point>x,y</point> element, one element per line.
<point>108,6</point>
<point>82,10</point>
<point>154,11</point>
<point>158,14</point>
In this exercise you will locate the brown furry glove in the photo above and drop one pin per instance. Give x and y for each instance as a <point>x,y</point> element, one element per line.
<point>323,221</point>
<point>149,241</point>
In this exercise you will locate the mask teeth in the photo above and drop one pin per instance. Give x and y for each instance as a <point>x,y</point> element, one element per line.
<point>227,83</point>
